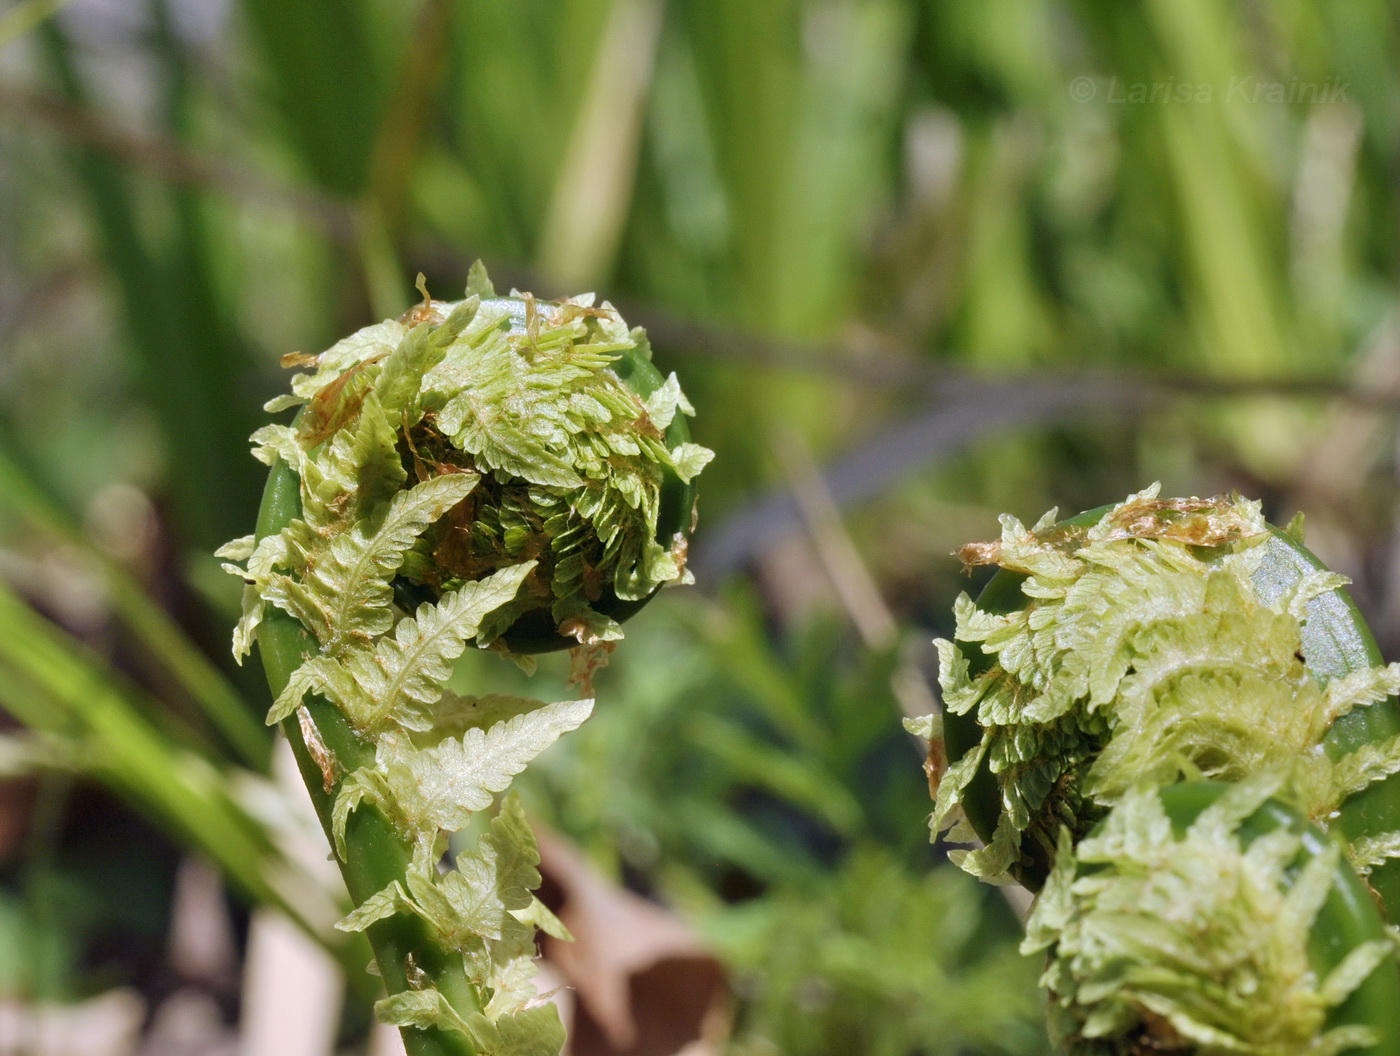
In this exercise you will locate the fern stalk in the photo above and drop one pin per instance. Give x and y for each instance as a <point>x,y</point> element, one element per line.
<point>499,473</point>
<point>381,854</point>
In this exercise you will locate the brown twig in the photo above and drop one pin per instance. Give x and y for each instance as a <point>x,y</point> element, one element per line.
<point>175,162</point>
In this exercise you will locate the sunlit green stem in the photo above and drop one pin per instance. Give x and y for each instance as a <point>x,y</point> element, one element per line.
<point>377,854</point>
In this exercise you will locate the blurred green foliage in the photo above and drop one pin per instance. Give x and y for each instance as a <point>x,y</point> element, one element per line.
<point>834,216</point>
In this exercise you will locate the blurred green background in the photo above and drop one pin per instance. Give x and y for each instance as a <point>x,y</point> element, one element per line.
<point>917,263</point>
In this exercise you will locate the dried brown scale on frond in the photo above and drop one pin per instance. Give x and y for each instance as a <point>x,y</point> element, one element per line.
<point>1196,522</point>
<point>1142,653</point>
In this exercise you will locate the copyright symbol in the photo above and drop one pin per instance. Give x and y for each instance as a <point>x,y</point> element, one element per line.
<point>1082,89</point>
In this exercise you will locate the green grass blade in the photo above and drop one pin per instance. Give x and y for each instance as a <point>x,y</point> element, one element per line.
<point>152,626</point>
<point>51,687</point>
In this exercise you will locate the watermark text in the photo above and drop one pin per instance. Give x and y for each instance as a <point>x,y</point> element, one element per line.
<point>1248,90</point>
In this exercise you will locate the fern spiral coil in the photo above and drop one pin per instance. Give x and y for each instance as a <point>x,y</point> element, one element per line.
<point>497,472</point>
<point>1130,651</point>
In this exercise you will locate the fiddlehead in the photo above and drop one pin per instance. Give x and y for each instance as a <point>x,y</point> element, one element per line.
<point>1145,643</point>
<point>1116,660</point>
<point>499,472</point>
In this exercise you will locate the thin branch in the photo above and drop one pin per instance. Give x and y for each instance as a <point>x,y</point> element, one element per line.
<point>173,161</point>
<point>961,416</point>
<point>836,551</point>
<point>878,362</point>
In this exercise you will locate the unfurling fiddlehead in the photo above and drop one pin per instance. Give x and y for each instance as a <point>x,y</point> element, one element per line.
<point>1128,654</point>
<point>502,472</point>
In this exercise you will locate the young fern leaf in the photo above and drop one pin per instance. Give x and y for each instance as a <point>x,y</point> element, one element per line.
<point>478,904</point>
<point>398,678</point>
<point>346,594</point>
<point>426,786</point>
<point>499,472</point>
<point>454,714</point>
<point>533,1031</point>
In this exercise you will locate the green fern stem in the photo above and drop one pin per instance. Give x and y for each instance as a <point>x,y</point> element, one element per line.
<point>382,855</point>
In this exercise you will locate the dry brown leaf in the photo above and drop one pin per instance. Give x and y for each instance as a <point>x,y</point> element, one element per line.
<point>646,985</point>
